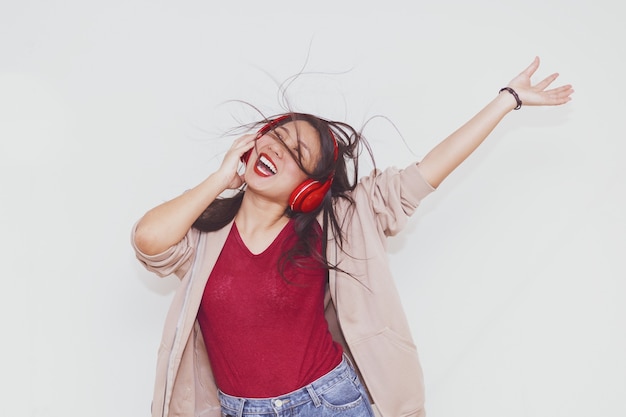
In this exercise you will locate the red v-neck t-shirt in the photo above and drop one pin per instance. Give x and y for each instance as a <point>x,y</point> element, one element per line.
<point>266,335</point>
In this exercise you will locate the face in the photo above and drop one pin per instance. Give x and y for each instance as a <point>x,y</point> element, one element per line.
<point>272,169</point>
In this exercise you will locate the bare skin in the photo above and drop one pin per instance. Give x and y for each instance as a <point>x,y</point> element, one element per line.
<point>262,213</point>
<point>447,155</point>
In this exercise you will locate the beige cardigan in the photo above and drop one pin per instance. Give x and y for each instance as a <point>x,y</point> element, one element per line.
<point>363,310</point>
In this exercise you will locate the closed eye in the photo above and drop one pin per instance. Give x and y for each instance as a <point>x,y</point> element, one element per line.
<point>276,135</point>
<point>296,148</point>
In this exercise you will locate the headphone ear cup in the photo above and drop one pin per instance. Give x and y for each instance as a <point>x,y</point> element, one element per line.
<point>308,196</point>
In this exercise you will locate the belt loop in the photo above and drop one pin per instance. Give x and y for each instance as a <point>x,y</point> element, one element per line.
<point>242,403</point>
<point>313,395</point>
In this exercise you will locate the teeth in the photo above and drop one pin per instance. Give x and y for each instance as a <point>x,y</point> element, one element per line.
<point>268,164</point>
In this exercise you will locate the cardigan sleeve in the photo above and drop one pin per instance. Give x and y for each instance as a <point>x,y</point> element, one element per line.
<point>392,195</point>
<point>174,260</point>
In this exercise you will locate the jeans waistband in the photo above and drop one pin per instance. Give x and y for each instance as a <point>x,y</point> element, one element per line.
<point>238,406</point>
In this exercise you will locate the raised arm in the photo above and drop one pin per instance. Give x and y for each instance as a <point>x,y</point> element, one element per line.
<point>166,224</point>
<point>448,154</point>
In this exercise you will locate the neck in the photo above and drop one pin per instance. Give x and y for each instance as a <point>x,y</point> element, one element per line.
<point>258,225</point>
<point>258,215</point>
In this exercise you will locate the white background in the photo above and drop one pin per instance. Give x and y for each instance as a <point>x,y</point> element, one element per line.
<point>512,273</point>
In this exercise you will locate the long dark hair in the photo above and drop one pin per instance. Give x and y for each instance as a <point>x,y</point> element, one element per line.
<point>344,171</point>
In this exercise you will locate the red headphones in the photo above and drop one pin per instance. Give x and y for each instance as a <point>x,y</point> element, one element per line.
<point>309,195</point>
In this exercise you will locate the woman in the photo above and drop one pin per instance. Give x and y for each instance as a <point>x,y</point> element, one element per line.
<point>287,305</point>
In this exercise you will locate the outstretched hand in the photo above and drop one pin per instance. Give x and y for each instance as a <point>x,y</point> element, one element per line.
<point>537,95</point>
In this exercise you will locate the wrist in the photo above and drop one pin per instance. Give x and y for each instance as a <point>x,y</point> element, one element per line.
<point>218,181</point>
<point>510,95</point>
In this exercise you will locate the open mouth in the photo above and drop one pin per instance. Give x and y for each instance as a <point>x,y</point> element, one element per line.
<point>264,166</point>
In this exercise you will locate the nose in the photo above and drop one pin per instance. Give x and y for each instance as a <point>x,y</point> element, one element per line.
<point>275,148</point>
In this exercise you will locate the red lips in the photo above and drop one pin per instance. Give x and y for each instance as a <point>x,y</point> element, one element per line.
<point>264,166</point>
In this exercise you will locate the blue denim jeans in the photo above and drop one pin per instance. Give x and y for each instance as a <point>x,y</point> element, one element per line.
<point>339,393</point>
